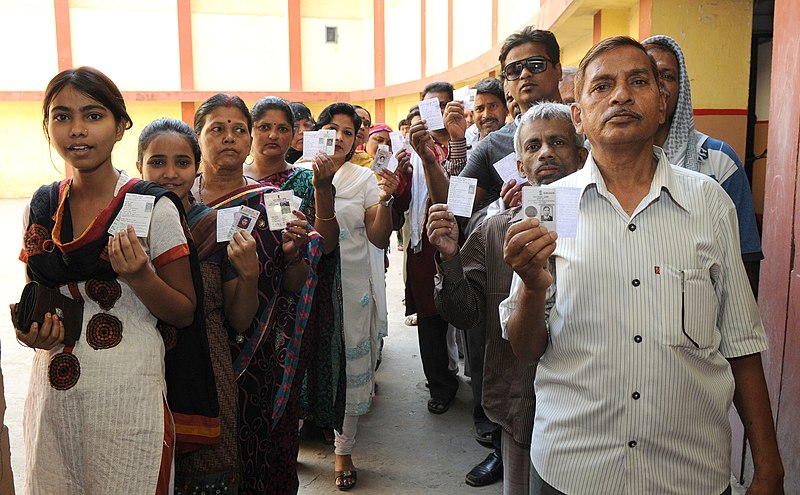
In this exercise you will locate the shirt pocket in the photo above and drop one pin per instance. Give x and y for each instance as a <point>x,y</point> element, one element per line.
<point>693,312</point>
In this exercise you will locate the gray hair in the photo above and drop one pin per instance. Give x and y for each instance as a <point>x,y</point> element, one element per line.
<point>546,110</point>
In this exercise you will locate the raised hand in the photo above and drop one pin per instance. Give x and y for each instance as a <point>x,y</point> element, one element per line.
<point>422,142</point>
<point>527,248</point>
<point>387,184</point>
<point>442,231</point>
<point>455,120</point>
<point>295,236</point>
<point>127,256</point>
<point>324,169</point>
<point>511,192</point>
<point>242,255</point>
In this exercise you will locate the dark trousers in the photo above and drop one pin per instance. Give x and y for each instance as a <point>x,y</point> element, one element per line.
<point>432,332</point>
<point>540,487</point>
<point>475,339</point>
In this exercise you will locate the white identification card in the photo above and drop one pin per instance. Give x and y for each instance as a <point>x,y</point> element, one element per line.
<point>314,142</point>
<point>398,141</point>
<point>279,209</point>
<point>137,209</point>
<point>384,159</point>
<point>461,196</point>
<point>467,96</point>
<point>430,112</point>
<point>225,222</point>
<point>245,219</point>
<point>555,207</point>
<point>506,167</point>
<point>296,202</point>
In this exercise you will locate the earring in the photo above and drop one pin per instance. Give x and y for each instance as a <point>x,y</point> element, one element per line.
<point>251,159</point>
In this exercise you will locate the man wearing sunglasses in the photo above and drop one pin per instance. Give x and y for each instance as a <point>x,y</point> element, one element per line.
<point>531,68</point>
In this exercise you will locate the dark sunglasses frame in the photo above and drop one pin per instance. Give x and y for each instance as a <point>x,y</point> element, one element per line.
<point>510,75</point>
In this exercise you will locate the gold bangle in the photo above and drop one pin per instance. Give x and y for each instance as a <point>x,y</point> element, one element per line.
<point>325,219</point>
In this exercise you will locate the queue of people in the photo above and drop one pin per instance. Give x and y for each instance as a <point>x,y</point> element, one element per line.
<point>601,362</point>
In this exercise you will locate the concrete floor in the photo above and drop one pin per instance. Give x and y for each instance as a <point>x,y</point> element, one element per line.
<point>401,447</point>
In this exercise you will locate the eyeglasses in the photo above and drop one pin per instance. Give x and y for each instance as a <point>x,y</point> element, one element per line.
<point>535,65</point>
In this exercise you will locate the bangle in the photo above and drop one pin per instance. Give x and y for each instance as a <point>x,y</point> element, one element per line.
<point>325,219</point>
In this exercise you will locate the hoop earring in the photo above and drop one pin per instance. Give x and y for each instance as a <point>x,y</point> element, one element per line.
<point>251,158</point>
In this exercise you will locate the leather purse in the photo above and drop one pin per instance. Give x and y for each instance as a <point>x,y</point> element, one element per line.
<point>36,300</point>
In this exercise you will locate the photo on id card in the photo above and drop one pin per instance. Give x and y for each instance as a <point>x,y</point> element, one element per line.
<point>540,202</point>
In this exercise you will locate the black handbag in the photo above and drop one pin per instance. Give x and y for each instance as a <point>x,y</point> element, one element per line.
<point>36,300</point>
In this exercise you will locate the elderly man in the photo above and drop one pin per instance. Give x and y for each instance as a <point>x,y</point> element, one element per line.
<point>472,281</point>
<point>643,324</point>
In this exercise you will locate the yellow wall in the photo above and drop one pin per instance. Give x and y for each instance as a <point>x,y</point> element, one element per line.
<point>27,159</point>
<point>29,25</point>
<point>435,37</point>
<point>403,35</point>
<point>344,66</point>
<point>137,49</point>
<point>513,15</point>
<point>715,38</point>
<point>248,49</point>
<point>472,29</point>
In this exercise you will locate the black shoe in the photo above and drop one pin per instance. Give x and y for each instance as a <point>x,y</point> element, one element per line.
<point>487,472</point>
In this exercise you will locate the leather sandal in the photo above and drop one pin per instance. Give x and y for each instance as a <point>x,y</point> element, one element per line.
<point>345,480</point>
<point>437,406</point>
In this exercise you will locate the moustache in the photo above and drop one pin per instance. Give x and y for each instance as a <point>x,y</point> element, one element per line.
<point>623,112</point>
<point>546,163</point>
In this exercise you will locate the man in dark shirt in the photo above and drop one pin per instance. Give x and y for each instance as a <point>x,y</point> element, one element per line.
<point>531,70</point>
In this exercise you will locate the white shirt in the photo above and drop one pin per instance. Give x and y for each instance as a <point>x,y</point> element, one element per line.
<point>629,399</point>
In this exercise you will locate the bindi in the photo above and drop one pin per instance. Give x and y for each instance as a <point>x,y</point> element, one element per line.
<point>229,121</point>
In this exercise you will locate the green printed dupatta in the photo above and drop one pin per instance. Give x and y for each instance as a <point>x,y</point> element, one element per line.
<point>272,345</point>
<point>325,379</point>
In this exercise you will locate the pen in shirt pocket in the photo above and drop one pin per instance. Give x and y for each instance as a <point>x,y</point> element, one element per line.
<point>683,309</point>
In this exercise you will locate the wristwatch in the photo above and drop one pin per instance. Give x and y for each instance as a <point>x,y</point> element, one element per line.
<point>389,202</point>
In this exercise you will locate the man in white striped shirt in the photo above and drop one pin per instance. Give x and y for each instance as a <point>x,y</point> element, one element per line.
<point>643,324</point>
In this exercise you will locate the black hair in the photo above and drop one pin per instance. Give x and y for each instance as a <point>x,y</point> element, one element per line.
<point>402,123</point>
<point>92,83</point>
<point>163,126</point>
<point>438,87</point>
<point>362,108</point>
<point>609,44</point>
<point>412,112</point>
<point>530,34</point>
<point>220,100</point>
<point>340,108</point>
<point>491,86</point>
<point>300,111</point>
<point>272,103</point>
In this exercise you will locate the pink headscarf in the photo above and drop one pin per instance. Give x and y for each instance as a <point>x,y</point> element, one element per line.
<point>379,128</point>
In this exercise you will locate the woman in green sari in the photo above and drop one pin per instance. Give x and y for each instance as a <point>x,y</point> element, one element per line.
<point>324,382</point>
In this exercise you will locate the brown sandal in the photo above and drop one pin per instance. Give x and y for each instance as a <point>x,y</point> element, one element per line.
<point>345,480</point>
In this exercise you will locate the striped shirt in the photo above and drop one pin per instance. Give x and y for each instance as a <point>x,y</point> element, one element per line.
<point>634,388</point>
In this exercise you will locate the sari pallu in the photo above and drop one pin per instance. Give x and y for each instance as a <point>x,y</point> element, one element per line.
<point>215,468</point>
<point>324,380</point>
<point>266,361</point>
